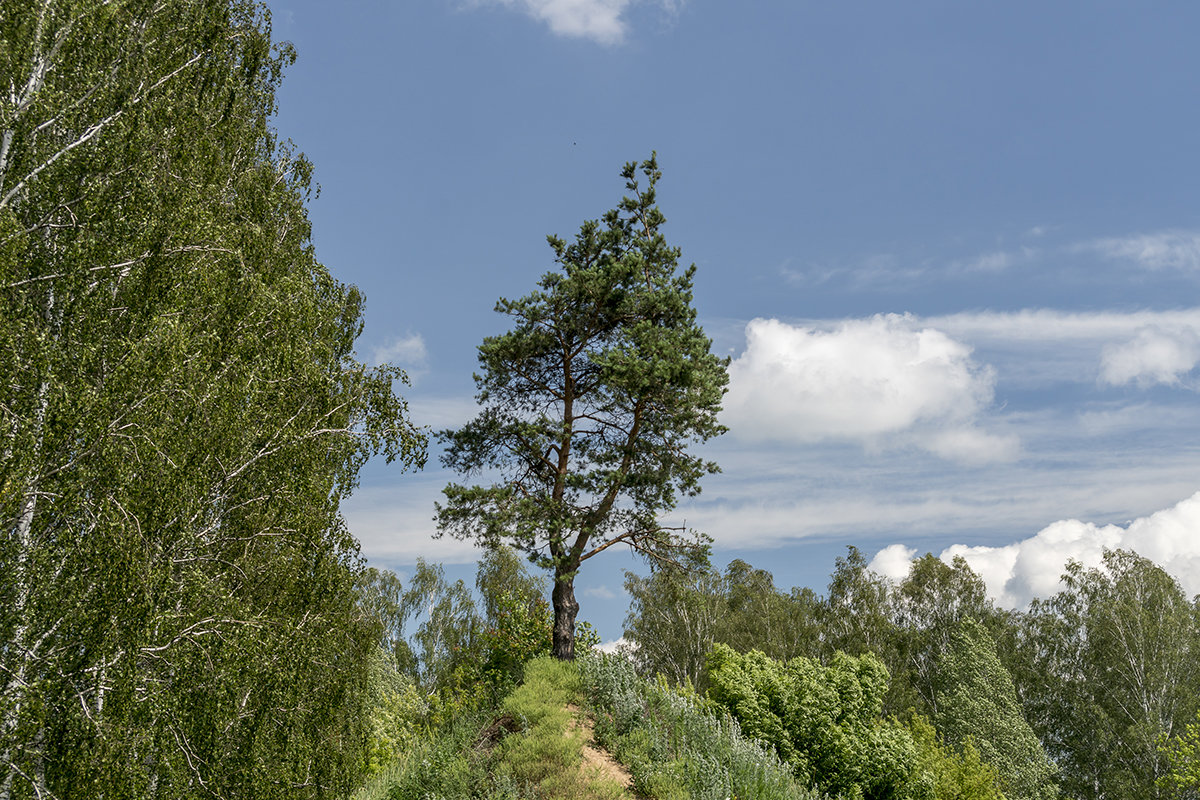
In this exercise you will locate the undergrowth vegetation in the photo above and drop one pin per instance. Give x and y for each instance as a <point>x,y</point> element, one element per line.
<point>529,747</point>
<point>676,744</point>
<point>546,757</point>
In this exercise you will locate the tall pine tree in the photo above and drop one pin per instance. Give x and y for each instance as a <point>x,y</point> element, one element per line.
<point>590,404</point>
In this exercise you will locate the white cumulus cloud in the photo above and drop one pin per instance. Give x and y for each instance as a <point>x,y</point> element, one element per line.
<point>1029,568</point>
<point>1153,355</point>
<point>863,380</point>
<point>894,561</point>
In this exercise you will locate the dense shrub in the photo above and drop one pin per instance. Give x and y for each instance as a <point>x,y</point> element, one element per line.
<point>824,721</point>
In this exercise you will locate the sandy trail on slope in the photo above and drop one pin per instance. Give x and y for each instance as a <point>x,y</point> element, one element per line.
<point>597,761</point>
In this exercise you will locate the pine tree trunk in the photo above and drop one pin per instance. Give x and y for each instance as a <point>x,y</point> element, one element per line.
<point>565,609</point>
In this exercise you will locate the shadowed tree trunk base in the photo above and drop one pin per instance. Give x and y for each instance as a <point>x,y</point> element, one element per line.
<point>565,610</point>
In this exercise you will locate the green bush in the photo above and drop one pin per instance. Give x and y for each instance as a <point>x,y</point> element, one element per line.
<point>442,763</point>
<point>675,744</point>
<point>943,773</point>
<point>824,721</point>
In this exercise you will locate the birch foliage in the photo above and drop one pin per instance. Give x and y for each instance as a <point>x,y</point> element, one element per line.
<point>180,414</point>
<point>1113,674</point>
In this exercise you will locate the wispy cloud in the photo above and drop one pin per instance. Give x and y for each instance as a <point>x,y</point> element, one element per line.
<point>394,524</point>
<point>1018,572</point>
<point>993,262</point>
<point>1056,258</point>
<point>891,269</point>
<point>880,269</point>
<point>602,21</point>
<point>1171,249</point>
<point>1061,326</point>
<point>443,412</point>
<point>406,351</point>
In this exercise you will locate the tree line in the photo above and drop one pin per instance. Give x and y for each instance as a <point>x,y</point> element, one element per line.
<point>920,688</point>
<point>1094,691</point>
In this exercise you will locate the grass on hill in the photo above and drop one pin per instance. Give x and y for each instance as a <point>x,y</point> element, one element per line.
<point>531,748</point>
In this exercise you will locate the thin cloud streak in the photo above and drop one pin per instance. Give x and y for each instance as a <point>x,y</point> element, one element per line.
<point>1170,249</point>
<point>1167,250</point>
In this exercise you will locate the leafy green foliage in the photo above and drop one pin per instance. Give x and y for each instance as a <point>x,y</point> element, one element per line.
<point>180,417</point>
<point>672,621</point>
<point>397,715</point>
<point>444,762</point>
<point>528,746</point>
<point>518,620</point>
<point>824,721</point>
<point>589,405</point>
<point>547,753</point>
<point>1183,756</point>
<point>977,705</point>
<point>676,744</point>
<point>926,607</point>
<point>455,651</point>
<point>1110,673</point>
<point>944,773</point>
<point>676,615</point>
<point>856,616</point>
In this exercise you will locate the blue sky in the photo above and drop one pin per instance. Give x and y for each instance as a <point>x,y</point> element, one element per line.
<point>953,249</point>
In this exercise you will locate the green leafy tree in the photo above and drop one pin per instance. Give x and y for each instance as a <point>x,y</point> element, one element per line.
<point>502,579</point>
<point>673,618</point>
<point>949,773</point>
<point>180,416</point>
<point>977,704</point>
<point>517,619</point>
<point>448,626</point>
<point>1183,756</point>
<point>382,598</point>
<point>589,405</point>
<point>824,721</point>
<point>1113,673</point>
<point>676,615</point>
<point>926,609</point>
<point>758,616</point>
<point>444,639</point>
<point>855,616</point>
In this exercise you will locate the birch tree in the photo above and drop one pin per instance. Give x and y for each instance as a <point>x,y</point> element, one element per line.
<point>181,414</point>
<point>977,705</point>
<point>1115,657</point>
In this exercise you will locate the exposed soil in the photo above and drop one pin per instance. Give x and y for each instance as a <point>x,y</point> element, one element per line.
<point>596,760</point>
<point>490,736</point>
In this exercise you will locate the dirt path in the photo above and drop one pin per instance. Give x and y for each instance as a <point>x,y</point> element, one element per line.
<point>596,760</point>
